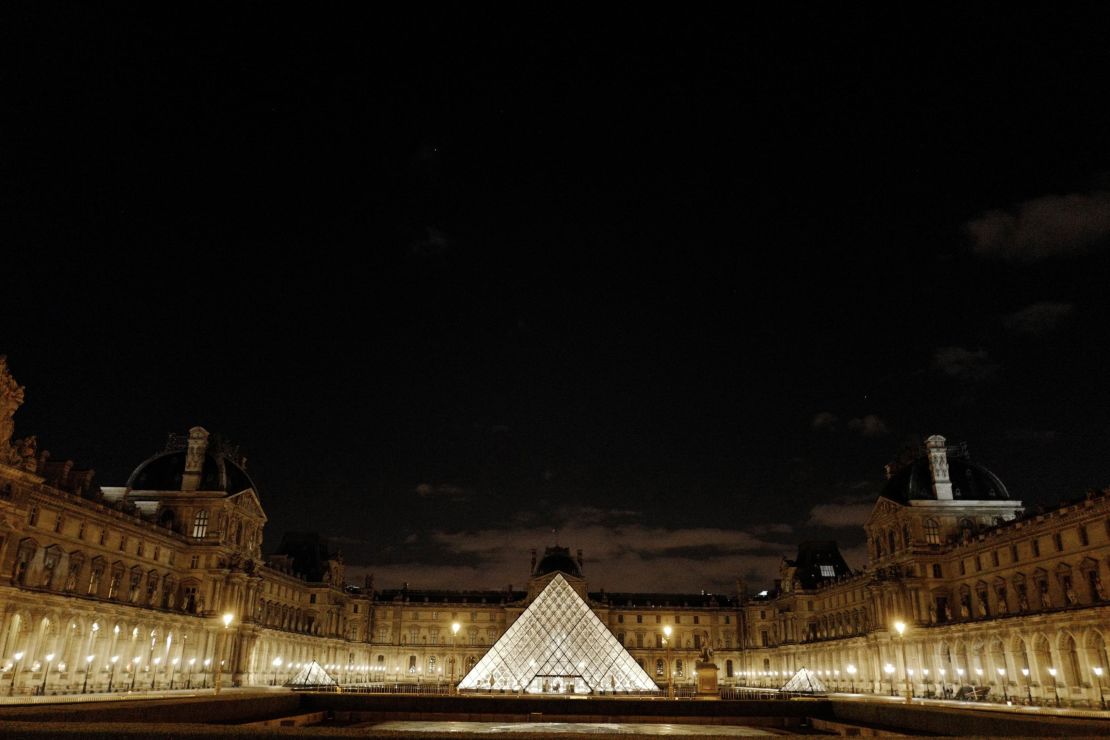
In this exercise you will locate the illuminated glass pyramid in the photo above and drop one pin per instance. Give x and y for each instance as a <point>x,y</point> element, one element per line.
<point>805,682</point>
<point>558,646</point>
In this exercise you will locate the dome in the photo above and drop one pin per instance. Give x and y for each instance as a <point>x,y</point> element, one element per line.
<point>557,559</point>
<point>164,472</point>
<point>970,482</point>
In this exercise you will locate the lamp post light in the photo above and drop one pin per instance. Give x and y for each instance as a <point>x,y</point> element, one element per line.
<point>173,669</point>
<point>836,678</point>
<point>670,671</point>
<point>189,675</point>
<point>1002,680</point>
<point>226,618</point>
<point>888,669</point>
<point>154,672</point>
<point>960,679</point>
<point>46,673</point>
<point>1028,689</point>
<point>1098,677</point>
<point>852,676</point>
<point>204,672</point>
<point>16,665</point>
<point>900,627</point>
<point>943,683</point>
<point>979,675</point>
<point>925,681</point>
<point>134,670</point>
<point>277,667</point>
<point>112,675</point>
<point>88,665</point>
<point>1052,672</point>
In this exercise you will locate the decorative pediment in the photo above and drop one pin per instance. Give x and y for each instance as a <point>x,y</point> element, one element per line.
<point>884,508</point>
<point>248,504</point>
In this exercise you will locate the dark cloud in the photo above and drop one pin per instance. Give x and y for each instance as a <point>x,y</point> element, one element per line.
<point>869,426</point>
<point>824,421</point>
<point>846,511</point>
<point>964,364</point>
<point>1038,318</point>
<point>1049,226</point>
<point>630,556</point>
<point>442,490</point>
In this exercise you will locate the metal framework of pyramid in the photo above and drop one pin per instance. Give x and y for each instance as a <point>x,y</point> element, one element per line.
<point>311,676</point>
<point>804,682</point>
<point>558,646</point>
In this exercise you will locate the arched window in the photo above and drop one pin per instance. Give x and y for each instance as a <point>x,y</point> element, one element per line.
<point>659,667</point>
<point>200,524</point>
<point>412,664</point>
<point>932,532</point>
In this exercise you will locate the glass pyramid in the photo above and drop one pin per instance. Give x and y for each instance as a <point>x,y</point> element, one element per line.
<point>311,676</point>
<point>558,646</point>
<point>805,682</point>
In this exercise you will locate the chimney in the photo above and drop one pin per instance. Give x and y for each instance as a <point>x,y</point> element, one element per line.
<point>579,559</point>
<point>194,459</point>
<point>938,465</point>
<point>533,560</point>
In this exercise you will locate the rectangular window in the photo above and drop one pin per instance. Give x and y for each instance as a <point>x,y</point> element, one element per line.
<point>103,536</point>
<point>140,548</point>
<point>639,619</point>
<point>1083,539</point>
<point>122,543</point>
<point>1058,541</point>
<point>963,567</point>
<point>658,618</point>
<point>194,561</point>
<point>620,619</point>
<point>81,531</point>
<point>728,619</point>
<point>994,558</point>
<point>678,619</point>
<point>1036,545</point>
<point>697,620</point>
<point>936,570</point>
<point>763,638</point>
<point>1013,553</point>
<point>58,522</point>
<point>978,563</point>
<point>762,614</point>
<point>828,571</point>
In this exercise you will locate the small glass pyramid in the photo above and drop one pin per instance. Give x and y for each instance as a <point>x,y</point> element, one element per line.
<point>558,646</point>
<point>311,676</point>
<point>805,682</point>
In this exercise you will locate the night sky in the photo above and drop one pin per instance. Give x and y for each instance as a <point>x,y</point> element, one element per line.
<point>670,289</point>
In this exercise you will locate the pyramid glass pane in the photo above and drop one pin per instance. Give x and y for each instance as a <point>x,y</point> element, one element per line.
<point>804,681</point>
<point>558,646</point>
<point>312,674</point>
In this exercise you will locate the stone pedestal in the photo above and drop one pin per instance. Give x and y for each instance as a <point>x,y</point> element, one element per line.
<point>707,678</point>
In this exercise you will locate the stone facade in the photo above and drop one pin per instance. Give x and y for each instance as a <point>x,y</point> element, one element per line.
<point>126,587</point>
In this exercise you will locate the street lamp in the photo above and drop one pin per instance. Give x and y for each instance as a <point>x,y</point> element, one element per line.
<point>189,675</point>
<point>154,672</point>
<point>943,683</point>
<point>88,664</point>
<point>16,665</point>
<point>226,618</point>
<point>888,669</point>
<point>173,667</point>
<point>667,644</point>
<point>960,674</point>
<point>112,675</point>
<point>1002,680</point>
<point>277,667</point>
<point>204,671</point>
<point>1052,672</point>
<point>925,680</point>
<point>134,670</point>
<point>1028,689</point>
<point>901,628</point>
<point>46,673</point>
<point>852,676</point>
<point>1101,698</point>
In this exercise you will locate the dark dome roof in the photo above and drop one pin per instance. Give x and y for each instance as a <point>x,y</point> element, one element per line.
<point>970,482</point>
<point>557,559</point>
<point>163,472</point>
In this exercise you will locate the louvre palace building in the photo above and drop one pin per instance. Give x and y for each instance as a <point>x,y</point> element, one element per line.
<point>162,582</point>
